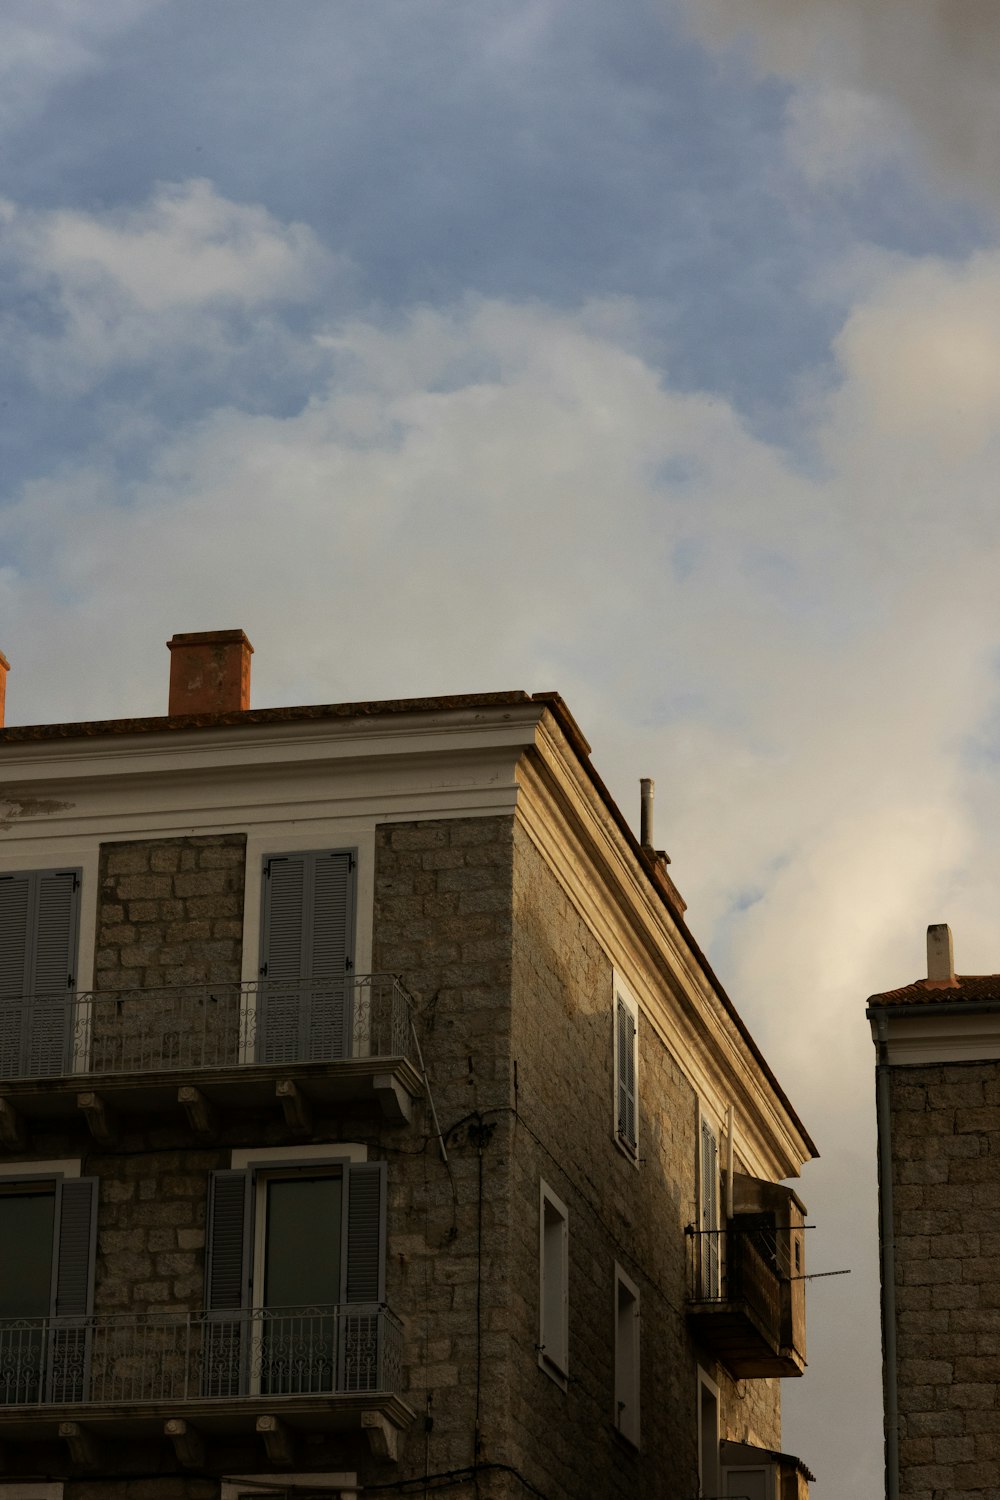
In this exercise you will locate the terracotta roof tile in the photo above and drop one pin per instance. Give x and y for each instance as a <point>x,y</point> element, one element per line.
<point>964,989</point>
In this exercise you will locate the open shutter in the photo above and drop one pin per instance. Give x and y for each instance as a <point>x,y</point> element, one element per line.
<point>625,1022</point>
<point>306,941</point>
<point>363,1277</point>
<point>72,1289</point>
<point>711,1234</point>
<point>227,1285</point>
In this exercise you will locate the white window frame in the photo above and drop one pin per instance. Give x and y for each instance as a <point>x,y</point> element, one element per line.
<point>709,1464</point>
<point>731,1478</point>
<point>27,1490</point>
<point>627,1357</point>
<point>232,1488</point>
<point>621,991</point>
<point>553,1285</point>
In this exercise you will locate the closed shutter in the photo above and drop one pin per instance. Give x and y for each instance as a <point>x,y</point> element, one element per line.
<point>363,1277</point>
<point>626,1074</point>
<point>227,1285</point>
<point>38,938</point>
<point>72,1289</point>
<point>307,935</point>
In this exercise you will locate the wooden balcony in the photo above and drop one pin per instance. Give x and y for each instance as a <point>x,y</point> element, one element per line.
<point>743,1303</point>
<point>202,1049</point>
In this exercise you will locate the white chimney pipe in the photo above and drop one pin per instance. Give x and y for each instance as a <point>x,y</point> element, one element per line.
<point>940,954</point>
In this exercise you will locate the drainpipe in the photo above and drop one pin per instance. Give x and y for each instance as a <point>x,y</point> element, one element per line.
<point>888,1257</point>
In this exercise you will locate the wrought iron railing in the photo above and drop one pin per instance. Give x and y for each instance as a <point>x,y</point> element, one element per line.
<point>193,1026</point>
<point>128,1358</point>
<point>738,1265</point>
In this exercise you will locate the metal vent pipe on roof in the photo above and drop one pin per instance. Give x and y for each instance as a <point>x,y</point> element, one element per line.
<point>647,787</point>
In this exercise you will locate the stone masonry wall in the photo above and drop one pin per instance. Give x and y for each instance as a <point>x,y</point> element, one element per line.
<point>442,921</point>
<point>170,912</point>
<point>563,1052</point>
<point>945,1123</point>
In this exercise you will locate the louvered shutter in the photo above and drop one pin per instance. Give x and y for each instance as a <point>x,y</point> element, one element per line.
<point>227,1285</point>
<point>710,1257</point>
<point>15,898</point>
<point>68,1361</point>
<point>38,935</point>
<point>363,1276</point>
<point>306,937</point>
<point>328,957</point>
<point>54,951</point>
<point>626,1074</point>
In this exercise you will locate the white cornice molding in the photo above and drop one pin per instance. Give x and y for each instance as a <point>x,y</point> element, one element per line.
<point>958,1037</point>
<point>561,810</point>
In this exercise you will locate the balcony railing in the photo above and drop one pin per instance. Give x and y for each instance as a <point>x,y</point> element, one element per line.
<point>188,1028</point>
<point>740,1299</point>
<point>127,1359</point>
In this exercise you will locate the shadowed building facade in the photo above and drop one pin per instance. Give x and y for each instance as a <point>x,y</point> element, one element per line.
<point>369,1116</point>
<point>938,1100</point>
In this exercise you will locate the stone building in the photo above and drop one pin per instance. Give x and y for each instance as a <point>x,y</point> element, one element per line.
<point>938,1099</point>
<point>370,1119</point>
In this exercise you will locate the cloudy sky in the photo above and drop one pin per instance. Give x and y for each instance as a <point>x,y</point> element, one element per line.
<point>647,351</point>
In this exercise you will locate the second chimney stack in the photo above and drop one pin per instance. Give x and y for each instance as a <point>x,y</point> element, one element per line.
<point>940,955</point>
<point>209,672</point>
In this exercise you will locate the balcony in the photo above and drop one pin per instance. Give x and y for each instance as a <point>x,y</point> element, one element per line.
<point>197,1375</point>
<point>202,1048</point>
<point>743,1304</point>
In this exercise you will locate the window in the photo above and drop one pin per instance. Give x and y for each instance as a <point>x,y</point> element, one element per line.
<point>307,957</point>
<point>295,1278</point>
<point>711,1233</point>
<point>38,937</point>
<point>709,1470</point>
<point>626,1356</point>
<point>626,1067</point>
<point>47,1240</point>
<point>755,1483</point>
<point>266,1486</point>
<point>553,1286</point>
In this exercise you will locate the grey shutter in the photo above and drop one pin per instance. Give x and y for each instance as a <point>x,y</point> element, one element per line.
<point>72,1289</point>
<point>626,1074</point>
<point>38,937</point>
<point>363,1277</point>
<point>306,953</point>
<point>227,1285</point>
<point>15,898</point>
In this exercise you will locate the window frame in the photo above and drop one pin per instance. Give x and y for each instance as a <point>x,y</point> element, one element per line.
<point>553,1285</point>
<point>710,1472</point>
<point>622,997</point>
<point>627,1359</point>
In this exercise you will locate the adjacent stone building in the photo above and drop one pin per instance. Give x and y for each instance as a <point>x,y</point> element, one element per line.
<point>370,1119</point>
<point>938,1096</point>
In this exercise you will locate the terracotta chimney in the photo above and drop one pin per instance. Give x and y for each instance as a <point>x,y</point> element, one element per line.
<point>940,955</point>
<point>4,669</point>
<point>209,672</point>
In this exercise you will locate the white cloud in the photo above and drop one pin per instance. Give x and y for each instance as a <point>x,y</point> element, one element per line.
<point>43,43</point>
<point>126,287</point>
<point>931,63</point>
